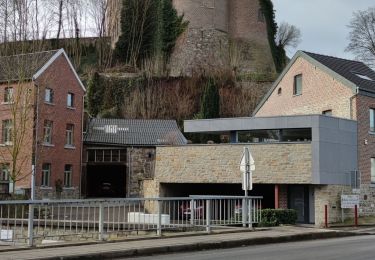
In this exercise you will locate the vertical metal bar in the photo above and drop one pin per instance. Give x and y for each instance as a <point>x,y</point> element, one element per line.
<point>208,216</point>
<point>30,225</point>
<point>159,217</point>
<point>250,214</point>
<point>244,212</point>
<point>192,209</point>
<point>101,222</point>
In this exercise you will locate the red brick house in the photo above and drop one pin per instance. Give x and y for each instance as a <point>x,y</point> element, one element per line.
<point>41,115</point>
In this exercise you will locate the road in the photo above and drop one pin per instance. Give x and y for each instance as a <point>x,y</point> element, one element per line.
<point>350,248</point>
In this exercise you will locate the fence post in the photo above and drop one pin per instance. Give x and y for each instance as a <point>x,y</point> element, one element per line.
<point>244,212</point>
<point>250,213</point>
<point>192,212</point>
<point>30,225</point>
<point>325,216</point>
<point>208,216</point>
<point>101,221</point>
<point>356,215</point>
<point>158,232</point>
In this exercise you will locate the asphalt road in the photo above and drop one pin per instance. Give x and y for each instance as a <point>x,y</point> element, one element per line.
<point>349,248</point>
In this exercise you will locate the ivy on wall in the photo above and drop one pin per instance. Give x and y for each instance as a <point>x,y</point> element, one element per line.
<point>149,29</point>
<point>278,52</point>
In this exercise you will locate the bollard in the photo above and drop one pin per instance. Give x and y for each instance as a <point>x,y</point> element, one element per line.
<point>208,216</point>
<point>325,216</point>
<point>356,215</point>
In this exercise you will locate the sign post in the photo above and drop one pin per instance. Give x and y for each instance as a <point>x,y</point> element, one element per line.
<point>246,167</point>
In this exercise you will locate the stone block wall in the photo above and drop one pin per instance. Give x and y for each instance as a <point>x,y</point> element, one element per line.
<point>275,163</point>
<point>50,193</point>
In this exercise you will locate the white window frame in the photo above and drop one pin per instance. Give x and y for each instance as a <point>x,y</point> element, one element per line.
<point>8,95</point>
<point>296,91</point>
<point>70,100</point>
<point>69,135</point>
<point>372,119</point>
<point>46,175</point>
<point>48,95</point>
<point>7,129</point>
<point>5,172</point>
<point>47,132</point>
<point>68,172</point>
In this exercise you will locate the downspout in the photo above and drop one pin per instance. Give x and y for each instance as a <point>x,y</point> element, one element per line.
<point>81,150</point>
<point>351,102</point>
<point>34,163</point>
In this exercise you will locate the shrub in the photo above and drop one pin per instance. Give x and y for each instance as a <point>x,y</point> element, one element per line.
<point>275,217</point>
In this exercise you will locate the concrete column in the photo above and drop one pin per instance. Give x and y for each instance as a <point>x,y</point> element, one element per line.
<point>276,196</point>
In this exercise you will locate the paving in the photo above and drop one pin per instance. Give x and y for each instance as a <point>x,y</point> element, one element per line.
<point>171,244</point>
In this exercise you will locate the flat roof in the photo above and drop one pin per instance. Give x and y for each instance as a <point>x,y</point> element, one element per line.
<point>267,123</point>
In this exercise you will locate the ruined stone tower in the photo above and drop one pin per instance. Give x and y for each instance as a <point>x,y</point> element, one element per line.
<point>229,34</point>
<point>222,33</point>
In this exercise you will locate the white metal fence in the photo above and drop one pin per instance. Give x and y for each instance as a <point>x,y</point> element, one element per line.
<point>32,221</point>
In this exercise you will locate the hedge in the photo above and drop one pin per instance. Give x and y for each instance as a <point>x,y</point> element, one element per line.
<point>275,217</point>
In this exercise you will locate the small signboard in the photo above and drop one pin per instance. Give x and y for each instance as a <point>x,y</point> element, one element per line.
<point>6,234</point>
<point>349,201</point>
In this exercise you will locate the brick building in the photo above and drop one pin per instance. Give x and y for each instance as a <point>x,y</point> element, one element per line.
<point>221,34</point>
<point>41,115</point>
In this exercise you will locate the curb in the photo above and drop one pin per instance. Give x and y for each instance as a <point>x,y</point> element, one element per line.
<point>207,246</point>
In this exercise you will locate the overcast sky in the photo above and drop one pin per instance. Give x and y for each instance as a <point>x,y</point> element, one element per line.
<point>323,23</point>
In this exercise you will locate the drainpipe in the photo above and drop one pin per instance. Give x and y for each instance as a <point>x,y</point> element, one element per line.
<point>351,102</point>
<point>130,170</point>
<point>34,163</point>
<point>81,150</point>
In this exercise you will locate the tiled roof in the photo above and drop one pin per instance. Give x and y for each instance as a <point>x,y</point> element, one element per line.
<point>23,66</point>
<point>354,71</point>
<point>137,132</point>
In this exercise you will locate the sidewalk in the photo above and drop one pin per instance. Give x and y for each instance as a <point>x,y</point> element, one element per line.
<point>174,244</point>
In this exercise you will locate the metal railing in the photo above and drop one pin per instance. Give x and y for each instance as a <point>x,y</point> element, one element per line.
<point>98,219</point>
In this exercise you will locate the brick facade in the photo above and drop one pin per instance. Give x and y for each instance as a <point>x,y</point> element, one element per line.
<point>59,77</point>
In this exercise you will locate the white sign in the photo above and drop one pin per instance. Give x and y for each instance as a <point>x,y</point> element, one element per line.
<point>349,201</point>
<point>246,167</point>
<point>6,234</point>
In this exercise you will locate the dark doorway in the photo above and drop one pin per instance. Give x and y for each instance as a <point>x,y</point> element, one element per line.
<point>298,199</point>
<point>106,181</point>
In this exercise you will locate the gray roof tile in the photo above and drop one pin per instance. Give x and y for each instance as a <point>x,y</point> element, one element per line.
<point>355,71</point>
<point>137,132</point>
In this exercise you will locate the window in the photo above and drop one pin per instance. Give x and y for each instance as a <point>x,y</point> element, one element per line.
<point>68,175</point>
<point>48,95</point>
<point>8,95</point>
<point>69,134</point>
<point>297,90</point>
<point>47,134</point>
<point>372,120</point>
<point>4,172</point>
<point>372,170</point>
<point>7,132</point>
<point>70,100</point>
<point>261,16</point>
<point>46,174</point>
<point>327,112</point>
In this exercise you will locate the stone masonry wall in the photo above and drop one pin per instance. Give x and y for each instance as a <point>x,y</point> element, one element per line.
<point>275,163</point>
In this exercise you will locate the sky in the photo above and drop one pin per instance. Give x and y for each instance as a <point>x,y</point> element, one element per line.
<point>323,23</point>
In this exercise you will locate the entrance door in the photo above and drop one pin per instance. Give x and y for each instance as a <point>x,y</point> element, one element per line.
<point>299,202</point>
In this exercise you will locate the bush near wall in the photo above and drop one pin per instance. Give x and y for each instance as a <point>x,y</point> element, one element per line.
<point>275,217</point>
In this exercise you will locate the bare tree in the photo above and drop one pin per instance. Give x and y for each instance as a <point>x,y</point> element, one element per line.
<point>288,35</point>
<point>362,36</point>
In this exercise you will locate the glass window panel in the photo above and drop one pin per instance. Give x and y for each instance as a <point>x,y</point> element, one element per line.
<point>372,120</point>
<point>373,170</point>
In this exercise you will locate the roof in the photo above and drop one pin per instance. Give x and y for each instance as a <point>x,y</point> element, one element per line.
<point>353,74</point>
<point>134,132</point>
<point>23,66</point>
<point>354,71</point>
<point>30,66</point>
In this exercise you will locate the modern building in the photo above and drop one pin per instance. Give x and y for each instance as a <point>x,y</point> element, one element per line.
<point>119,154</point>
<point>41,116</point>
